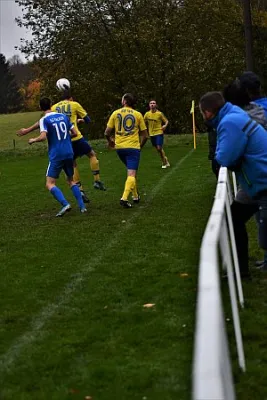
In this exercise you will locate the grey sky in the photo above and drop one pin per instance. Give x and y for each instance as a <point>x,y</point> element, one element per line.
<point>10,33</point>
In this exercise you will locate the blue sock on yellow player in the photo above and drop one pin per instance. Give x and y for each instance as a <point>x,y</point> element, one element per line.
<point>78,196</point>
<point>58,195</point>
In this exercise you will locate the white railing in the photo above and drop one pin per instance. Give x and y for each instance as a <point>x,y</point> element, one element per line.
<point>212,372</point>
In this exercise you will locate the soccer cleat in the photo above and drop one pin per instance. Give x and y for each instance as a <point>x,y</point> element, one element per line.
<point>167,164</point>
<point>99,185</point>
<point>83,210</point>
<point>85,198</point>
<point>64,210</point>
<point>125,203</point>
<point>136,200</point>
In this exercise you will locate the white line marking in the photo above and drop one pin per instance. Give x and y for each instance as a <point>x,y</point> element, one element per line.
<point>49,311</point>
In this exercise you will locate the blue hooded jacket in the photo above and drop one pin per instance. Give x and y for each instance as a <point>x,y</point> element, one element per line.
<point>242,146</point>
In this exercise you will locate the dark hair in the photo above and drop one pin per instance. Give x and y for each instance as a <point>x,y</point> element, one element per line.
<point>212,101</point>
<point>236,94</point>
<point>130,100</point>
<point>250,82</point>
<point>66,94</point>
<point>45,104</point>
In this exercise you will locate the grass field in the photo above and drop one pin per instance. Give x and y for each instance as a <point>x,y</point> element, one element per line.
<point>72,316</point>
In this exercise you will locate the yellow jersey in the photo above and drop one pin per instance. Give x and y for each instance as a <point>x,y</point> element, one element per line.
<point>128,123</point>
<point>74,111</point>
<point>154,121</point>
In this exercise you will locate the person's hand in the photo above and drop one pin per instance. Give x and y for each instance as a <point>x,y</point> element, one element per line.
<point>31,141</point>
<point>111,144</point>
<point>21,132</point>
<point>80,120</point>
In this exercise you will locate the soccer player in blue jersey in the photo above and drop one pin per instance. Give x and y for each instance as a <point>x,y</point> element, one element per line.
<point>81,147</point>
<point>58,130</point>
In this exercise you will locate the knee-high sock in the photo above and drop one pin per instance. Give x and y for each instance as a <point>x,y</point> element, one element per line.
<point>135,191</point>
<point>94,165</point>
<point>78,196</point>
<point>76,178</point>
<point>58,195</point>
<point>129,186</point>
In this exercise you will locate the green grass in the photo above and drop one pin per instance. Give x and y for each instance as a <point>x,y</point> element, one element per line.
<point>72,321</point>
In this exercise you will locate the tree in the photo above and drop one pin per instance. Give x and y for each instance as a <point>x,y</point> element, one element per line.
<point>173,50</point>
<point>10,98</point>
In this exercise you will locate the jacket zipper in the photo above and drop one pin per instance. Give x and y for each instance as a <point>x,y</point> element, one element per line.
<point>246,178</point>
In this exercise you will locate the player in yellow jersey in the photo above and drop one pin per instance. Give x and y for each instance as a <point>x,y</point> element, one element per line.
<point>157,123</point>
<point>129,127</point>
<point>80,146</point>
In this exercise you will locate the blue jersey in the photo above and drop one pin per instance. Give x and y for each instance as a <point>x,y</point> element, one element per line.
<point>57,126</point>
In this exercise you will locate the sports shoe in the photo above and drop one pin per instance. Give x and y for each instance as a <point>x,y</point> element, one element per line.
<point>83,210</point>
<point>164,166</point>
<point>263,267</point>
<point>136,200</point>
<point>85,198</point>
<point>125,203</point>
<point>259,263</point>
<point>63,210</point>
<point>167,163</point>
<point>99,185</point>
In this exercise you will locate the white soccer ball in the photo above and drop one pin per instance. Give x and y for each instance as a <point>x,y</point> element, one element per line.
<point>63,84</point>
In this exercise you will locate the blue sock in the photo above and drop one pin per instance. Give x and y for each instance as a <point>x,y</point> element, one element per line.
<point>58,195</point>
<point>78,196</point>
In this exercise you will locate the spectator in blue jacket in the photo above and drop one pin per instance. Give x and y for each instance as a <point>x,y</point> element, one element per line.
<point>245,92</point>
<point>242,147</point>
<point>250,82</point>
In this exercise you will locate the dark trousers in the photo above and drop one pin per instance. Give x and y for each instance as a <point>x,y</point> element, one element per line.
<point>241,213</point>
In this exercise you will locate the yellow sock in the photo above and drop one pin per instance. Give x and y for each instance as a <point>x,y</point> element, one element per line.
<point>94,164</point>
<point>163,156</point>
<point>135,191</point>
<point>129,186</point>
<point>76,178</point>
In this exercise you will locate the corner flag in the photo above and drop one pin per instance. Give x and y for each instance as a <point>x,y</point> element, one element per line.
<point>192,111</point>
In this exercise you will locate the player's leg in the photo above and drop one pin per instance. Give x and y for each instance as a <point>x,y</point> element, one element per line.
<point>157,141</point>
<point>53,171</point>
<point>130,157</point>
<point>94,165</point>
<point>68,168</point>
<point>83,148</point>
<point>76,175</point>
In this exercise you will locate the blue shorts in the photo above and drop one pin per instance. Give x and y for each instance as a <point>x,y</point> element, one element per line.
<point>81,148</point>
<point>130,157</point>
<point>55,167</point>
<point>157,140</point>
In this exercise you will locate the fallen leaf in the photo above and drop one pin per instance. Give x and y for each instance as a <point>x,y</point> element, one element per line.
<point>183,275</point>
<point>74,391</point>
<point>148,305</point>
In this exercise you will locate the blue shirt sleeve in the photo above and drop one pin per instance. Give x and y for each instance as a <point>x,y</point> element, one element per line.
<point>231,144</point>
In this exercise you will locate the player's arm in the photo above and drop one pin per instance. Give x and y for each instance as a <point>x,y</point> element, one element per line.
<point>109,136</point>
<point>40,138</point>
<point>142,131</point>
<point>73,132</point>
<point>143,137</point>
<point>25,131</point>
<point>82,115</point>
<point>85,120</point>
<point>165,123</point>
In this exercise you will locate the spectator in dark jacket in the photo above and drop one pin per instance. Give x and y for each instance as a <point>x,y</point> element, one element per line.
<point>242,146</point>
